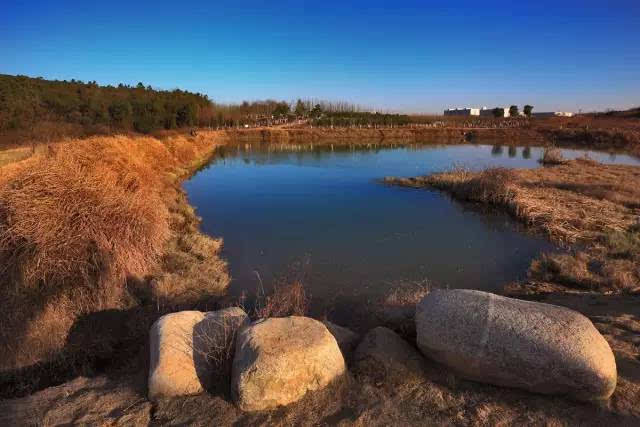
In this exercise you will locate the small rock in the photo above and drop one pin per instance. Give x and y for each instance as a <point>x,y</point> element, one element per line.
<point>346,338</point>
<point>384,355</point>
<point>509,342</point>
<point>182,345</point>
<point>278,360</point>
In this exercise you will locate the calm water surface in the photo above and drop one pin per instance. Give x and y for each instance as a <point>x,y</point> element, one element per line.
<point>324,215</point>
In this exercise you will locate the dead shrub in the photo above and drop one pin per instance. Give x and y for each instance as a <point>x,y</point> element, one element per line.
<point>285,300</point>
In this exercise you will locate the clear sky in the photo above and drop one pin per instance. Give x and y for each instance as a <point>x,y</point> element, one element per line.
<point>415,56</point>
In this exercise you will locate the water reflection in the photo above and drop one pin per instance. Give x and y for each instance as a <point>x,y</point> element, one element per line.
<point>276,203</point>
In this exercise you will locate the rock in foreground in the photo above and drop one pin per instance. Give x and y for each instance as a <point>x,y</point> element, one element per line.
<point>346,338</point>
<point>384,355</point>
<point>182,345</point>
<point>278,360</point>
<point>504,341</point>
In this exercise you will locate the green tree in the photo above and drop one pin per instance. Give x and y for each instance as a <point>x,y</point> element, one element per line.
<point>317,111</point>
<point>527,110</point>
<point>120,111</point>
<point>498,112</point>
<point>513,111</point>
<point>281,109</point>
<point>301,109</point>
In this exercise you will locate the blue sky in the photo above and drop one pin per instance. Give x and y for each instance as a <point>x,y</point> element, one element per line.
<point>400,56</point>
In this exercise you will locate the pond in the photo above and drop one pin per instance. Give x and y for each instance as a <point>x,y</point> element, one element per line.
<point>323,214</point>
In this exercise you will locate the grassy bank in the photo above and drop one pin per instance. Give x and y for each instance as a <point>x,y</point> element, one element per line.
<point>591,208</point>
<point>96,240</point>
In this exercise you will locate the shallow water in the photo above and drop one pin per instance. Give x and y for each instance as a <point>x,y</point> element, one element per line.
<point>323,215</point>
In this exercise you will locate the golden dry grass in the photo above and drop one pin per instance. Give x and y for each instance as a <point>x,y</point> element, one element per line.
<point>80,220</point>
<point>285,300</point>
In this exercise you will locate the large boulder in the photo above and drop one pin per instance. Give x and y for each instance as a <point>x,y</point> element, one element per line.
<point>384,356</point>
<point>278,360</point>
<point>184,347</point>
<point>508,342</point>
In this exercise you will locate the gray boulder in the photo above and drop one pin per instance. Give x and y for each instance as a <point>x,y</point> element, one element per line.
<point>184,347</point>
<point>386,357</point>
<point>278,360</point>
<point>508,342</point>
<point>346,338</point>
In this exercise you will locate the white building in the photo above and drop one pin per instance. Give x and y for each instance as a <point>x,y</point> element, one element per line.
<point>466,111</point>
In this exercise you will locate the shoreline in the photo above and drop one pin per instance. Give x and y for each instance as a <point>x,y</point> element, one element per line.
<point>184,259</point>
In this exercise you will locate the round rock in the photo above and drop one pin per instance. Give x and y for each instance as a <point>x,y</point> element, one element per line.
<point>278,360</point>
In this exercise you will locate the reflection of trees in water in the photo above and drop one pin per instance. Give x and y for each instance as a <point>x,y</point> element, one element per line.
<point>512,151</point>
<point>526,153</point>
<point>262,154</point>
<point>496,150</point>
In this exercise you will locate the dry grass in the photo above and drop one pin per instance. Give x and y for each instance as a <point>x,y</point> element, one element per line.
<point>83,219</point>
<point>285,300</point>
<point>190,268</point>
<point>407,294</point>
<point>578,202</point>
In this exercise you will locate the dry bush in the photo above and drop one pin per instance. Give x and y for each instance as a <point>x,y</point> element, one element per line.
<point>285,300</point>
<point>552,156</point>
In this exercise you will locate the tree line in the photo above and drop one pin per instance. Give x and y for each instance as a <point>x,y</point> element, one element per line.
<point>26,102</point>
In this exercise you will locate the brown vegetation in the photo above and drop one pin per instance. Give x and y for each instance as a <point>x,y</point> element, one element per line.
<point>580,202</point>
<point>285,300</point>
<point>552,156</point>
<point>92,225</point>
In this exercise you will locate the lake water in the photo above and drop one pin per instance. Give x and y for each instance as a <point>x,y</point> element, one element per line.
<point>323,215</point>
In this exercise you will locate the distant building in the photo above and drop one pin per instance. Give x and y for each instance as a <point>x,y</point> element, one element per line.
<point>552,114</point>
<point>462,112</point>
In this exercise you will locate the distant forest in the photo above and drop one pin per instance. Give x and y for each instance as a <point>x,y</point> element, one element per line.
<point>26,101</point>
<point>35,107</point>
